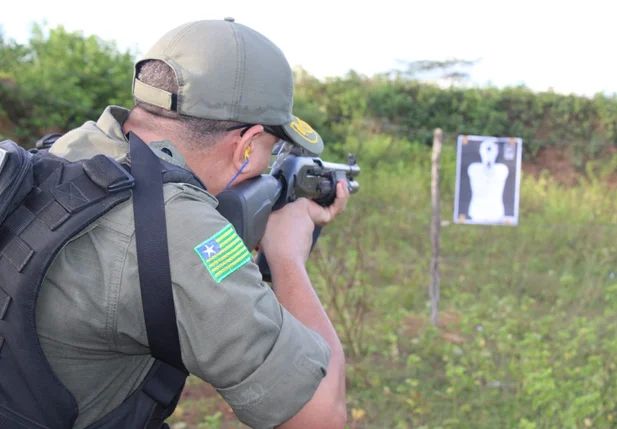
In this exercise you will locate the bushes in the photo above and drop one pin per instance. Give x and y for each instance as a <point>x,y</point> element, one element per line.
<point>528,333</point>
<point>65,78</point>
<point>357,105</point>
<point>59,80</point>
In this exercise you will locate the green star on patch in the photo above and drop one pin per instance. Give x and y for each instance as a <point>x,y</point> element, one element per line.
<point>223,253</point>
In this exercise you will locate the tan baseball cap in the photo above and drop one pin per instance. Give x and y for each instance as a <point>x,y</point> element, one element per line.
<point>227,71</point>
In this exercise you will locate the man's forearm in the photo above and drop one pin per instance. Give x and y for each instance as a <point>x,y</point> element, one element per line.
<point>295,292</point>
<point>293,288</point>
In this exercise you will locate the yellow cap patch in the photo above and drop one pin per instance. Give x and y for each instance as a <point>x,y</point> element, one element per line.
<point>304,130</point>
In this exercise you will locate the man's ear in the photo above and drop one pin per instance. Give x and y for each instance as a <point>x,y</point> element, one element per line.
<point>244,146</point>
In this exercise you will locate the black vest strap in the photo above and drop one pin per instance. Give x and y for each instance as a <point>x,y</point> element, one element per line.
<point>152,254</point>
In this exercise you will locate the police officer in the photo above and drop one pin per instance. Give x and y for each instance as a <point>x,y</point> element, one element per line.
<point>213,97</point>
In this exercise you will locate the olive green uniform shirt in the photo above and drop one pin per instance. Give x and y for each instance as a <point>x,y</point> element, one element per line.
<point>234,334</point>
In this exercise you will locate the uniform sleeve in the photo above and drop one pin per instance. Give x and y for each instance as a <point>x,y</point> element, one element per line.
<point>233,331</point>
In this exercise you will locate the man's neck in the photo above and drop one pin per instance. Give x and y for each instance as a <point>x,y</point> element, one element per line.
<point>206,165</point>
<point>135,123</point>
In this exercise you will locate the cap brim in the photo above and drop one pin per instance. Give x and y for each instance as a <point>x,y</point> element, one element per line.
<point>302,134</point>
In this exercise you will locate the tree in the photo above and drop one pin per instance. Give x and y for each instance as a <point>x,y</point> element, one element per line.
<point>451,70</point>
<point>64,78</point>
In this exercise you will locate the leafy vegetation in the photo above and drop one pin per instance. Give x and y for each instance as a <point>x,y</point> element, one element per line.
<point>59,80</point>
<point>354,106</point>
<point>527,334</point>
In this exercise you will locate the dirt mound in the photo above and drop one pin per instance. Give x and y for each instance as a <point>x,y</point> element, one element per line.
<point>560,162</point>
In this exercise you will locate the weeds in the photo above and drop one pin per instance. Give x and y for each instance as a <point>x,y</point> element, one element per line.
<point>527,337</point>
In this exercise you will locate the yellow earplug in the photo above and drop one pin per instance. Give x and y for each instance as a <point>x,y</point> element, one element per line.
<point>246,153</point>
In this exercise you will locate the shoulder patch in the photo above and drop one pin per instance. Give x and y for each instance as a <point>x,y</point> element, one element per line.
<point>223,253</point>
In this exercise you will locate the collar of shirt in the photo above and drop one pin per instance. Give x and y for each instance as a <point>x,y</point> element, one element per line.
<point>106,136</point>
<point>111,122</point>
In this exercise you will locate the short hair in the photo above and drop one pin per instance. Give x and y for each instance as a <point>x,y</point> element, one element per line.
<point>196,133</point>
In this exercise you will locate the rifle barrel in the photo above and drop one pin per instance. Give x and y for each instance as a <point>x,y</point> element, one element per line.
<point>351,170</point>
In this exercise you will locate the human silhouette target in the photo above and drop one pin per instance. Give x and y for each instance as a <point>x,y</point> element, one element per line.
<point>487,180</point>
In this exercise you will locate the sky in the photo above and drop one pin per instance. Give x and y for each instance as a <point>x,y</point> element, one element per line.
<point>544,44</point>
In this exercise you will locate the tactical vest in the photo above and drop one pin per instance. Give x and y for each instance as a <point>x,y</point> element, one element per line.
<point>44,202</point>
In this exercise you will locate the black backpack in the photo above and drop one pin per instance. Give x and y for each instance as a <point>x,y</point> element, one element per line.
<point>44,201</point>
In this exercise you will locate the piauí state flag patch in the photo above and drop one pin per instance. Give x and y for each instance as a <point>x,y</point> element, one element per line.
<point>223,253</point>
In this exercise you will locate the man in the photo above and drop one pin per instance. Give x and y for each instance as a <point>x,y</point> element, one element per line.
<point>213,97</point>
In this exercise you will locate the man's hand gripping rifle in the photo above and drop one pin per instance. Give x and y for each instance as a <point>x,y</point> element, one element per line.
<point>249,204</point>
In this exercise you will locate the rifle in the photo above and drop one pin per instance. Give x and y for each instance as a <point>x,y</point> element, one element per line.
<point>248,205</point>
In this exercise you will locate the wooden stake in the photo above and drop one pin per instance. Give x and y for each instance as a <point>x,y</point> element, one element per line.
<point>435,226</point>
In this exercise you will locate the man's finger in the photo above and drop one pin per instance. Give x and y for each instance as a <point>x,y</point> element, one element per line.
<point>342,196</point>
<point>340,202</point>
<point>324,215</point>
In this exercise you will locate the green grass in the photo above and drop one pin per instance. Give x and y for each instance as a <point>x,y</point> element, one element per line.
<point>527,337</point>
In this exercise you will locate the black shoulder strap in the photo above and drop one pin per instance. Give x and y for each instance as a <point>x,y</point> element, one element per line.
<point>152,254</point>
